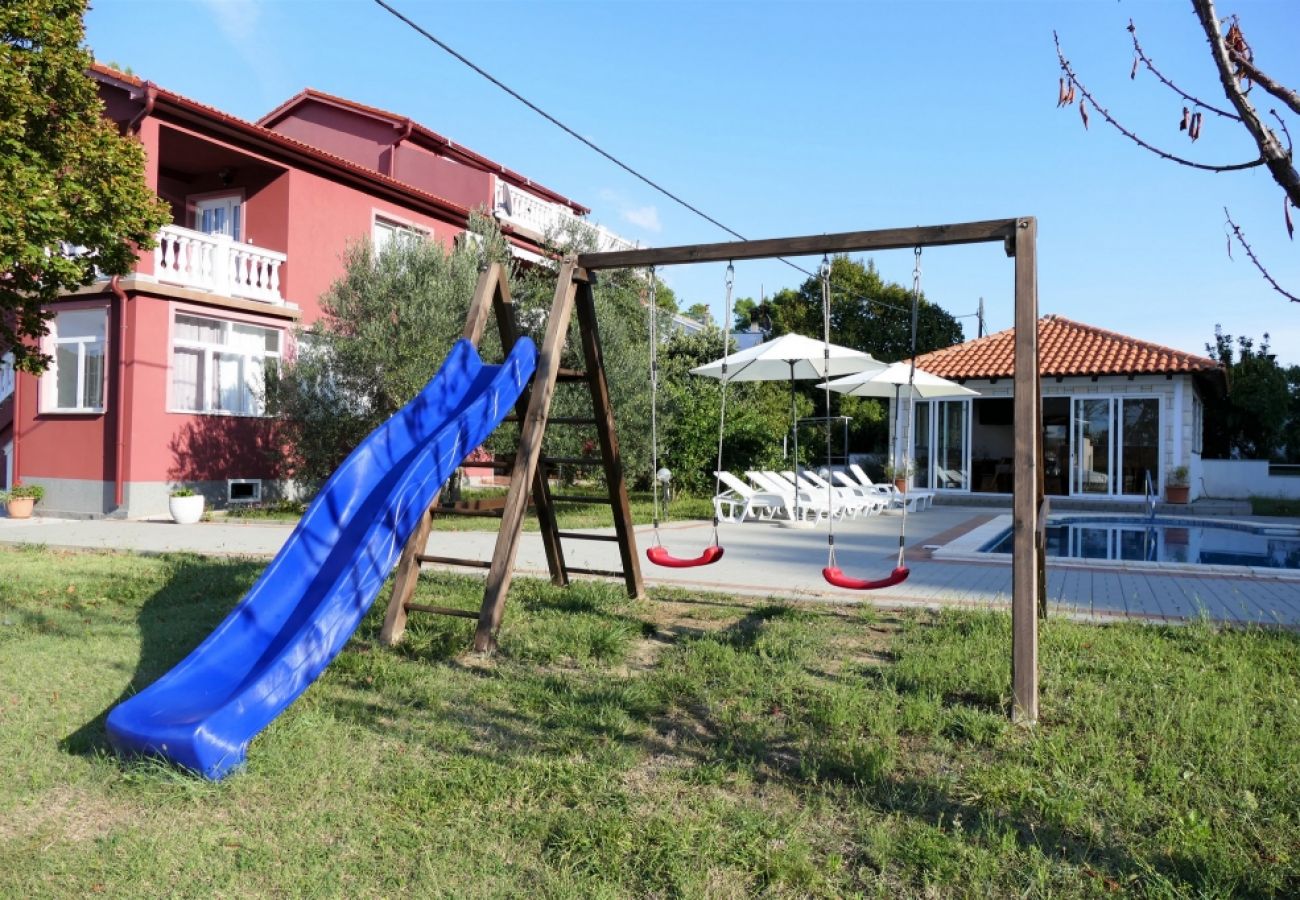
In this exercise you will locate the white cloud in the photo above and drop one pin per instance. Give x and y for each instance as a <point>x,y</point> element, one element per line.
<point>643,217</point>
<point>646,217</point>
<point>236,18</point>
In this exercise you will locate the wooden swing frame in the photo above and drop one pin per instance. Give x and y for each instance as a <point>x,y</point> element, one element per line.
<point>1019,239</point>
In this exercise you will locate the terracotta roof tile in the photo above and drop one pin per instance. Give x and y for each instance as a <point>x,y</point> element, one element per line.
<point>1065,347</point>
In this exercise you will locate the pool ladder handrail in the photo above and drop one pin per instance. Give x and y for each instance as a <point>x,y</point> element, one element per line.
<point>1150,541</point>
<point>1149,497</point>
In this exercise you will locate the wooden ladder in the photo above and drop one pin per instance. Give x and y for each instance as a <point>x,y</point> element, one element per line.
<point>530,470</point>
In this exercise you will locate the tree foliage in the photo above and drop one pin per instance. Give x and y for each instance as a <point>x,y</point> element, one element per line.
<point>1253,419</point>
<point>867,313</point>
<point>73,200</point>
<point>386,325</point>
<point>690,409</point>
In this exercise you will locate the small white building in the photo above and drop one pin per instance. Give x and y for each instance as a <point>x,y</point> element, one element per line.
<point>1115,411</point>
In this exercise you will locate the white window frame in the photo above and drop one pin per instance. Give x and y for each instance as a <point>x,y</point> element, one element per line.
<point>7,376</point>
<point>400,231</point>
<point>49,390</point>
<point>1115,451</point>
<point>234,200</point>
<point>208,363</point>
<point>932,455</point>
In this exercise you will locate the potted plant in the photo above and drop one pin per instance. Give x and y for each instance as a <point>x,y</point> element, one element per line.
<point>1176,485</point>
<point>899,474</point>
<point>21,498</point>
<point>185,505</point>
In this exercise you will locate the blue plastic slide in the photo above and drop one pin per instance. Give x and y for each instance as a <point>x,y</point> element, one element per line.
<point>311,597</point>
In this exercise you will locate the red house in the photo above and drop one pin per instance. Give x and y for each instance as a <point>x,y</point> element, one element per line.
<point>154,374</point>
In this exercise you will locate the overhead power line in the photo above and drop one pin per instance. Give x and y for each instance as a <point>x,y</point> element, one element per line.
<point>586,142</point>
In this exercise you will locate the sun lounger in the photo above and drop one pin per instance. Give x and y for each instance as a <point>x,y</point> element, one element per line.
<point>853,504</point>
<point>740,501</point>
<point>808,504</point>
<point>868,503</point>
<point>914,499</point>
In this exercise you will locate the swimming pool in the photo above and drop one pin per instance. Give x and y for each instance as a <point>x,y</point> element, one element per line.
<point>1203,542</point>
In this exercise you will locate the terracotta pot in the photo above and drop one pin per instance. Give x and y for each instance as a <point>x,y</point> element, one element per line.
<point>1176,494</point>
<point>20,507</point>
<point>186,510</point>
<point>901,484</point>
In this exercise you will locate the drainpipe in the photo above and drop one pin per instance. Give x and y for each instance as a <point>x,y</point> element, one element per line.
<point>150,97</point>
<point>119,473</point>
<point>18,384</point>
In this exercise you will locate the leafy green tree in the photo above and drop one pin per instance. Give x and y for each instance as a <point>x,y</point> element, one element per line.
<point>386,326</point>
<point>73,200</point>
<point>1252,418</point>
<point>1291,430</point>
<point>700,312</point>
<point>867,313</point>
<point>690,407</point>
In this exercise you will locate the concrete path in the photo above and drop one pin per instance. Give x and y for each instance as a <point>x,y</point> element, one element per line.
<point>766,559</point>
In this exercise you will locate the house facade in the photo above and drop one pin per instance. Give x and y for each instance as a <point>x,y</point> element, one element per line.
<point>156,375</point>
<point>1116,412</point>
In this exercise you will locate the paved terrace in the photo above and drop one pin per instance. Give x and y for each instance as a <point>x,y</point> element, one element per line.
<point>767,559</point>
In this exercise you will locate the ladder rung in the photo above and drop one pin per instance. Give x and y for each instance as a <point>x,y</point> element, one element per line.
<point>584,536</point>
<point>579,498</point>
<point>481,513</point>
<point>604,573</point>
<point>454,561</point>
<point>441,610</point>
<point>570,375</point>
<point>572,461</point>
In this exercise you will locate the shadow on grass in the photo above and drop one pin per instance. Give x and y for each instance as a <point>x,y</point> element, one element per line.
<point>198,594</point>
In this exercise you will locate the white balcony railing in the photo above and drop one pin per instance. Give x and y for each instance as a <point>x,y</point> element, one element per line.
<point>6,376</point>
<point>215,262</point>
<point>539,217</point>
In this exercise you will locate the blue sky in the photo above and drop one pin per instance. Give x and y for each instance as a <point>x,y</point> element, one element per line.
<point>802,118</point>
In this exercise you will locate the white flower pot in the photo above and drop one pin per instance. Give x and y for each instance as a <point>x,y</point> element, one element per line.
<point>186,510</point>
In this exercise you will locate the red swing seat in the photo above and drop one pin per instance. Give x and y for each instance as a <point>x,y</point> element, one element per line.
<point>835,575</point>
<point>661,557</point>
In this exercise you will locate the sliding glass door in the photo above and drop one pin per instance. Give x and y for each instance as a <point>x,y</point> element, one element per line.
<point>941,445</point>
<point>1116,445</point>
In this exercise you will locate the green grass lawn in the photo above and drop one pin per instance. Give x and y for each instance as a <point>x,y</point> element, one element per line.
<point>688,745</point>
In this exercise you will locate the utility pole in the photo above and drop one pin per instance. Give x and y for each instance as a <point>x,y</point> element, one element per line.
<point>980,315</point>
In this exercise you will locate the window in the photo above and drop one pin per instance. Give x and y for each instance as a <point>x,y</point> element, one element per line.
<point>219,215</point>
<point>220,366</point>
<point>75,380</point>
<point>387,231</point>
<point>1198,425</point>
<point>6,376</point>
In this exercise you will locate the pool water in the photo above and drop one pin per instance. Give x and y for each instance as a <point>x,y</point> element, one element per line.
<point>1188,541</point>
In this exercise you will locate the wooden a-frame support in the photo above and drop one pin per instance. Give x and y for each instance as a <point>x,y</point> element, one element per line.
<point>529,472</point>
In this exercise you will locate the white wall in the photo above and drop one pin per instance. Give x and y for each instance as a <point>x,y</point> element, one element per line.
<point>1237,479</point>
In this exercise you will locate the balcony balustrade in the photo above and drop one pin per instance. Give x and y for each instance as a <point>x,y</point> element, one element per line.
<point>539,217</point>
<point>215,262</point>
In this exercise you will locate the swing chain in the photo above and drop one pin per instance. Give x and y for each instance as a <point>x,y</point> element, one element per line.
<point>824,271</point>
<point>729,280</point>
<point>652,313</point>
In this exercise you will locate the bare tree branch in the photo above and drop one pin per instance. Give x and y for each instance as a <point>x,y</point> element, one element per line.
<point>1286,95</point>
<point>1163,154</point>
<point>1290,148</point>
<point>1195,101</point>
<point>1271,151</point>
<point>1241,239</point>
